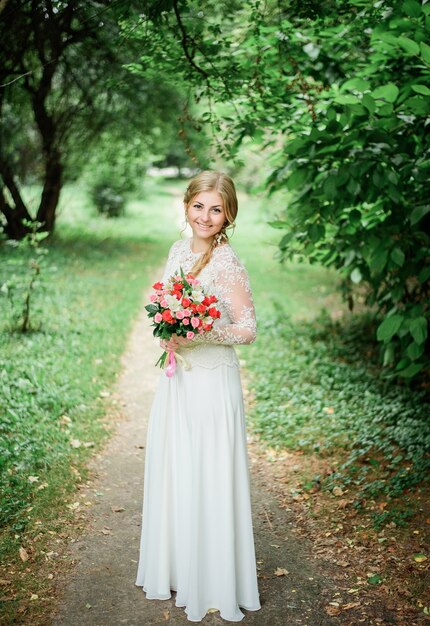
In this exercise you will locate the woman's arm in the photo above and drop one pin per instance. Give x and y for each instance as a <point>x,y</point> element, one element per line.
<point>234,288</point>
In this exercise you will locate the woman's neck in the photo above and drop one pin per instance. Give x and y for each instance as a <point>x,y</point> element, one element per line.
<point>200,245</point>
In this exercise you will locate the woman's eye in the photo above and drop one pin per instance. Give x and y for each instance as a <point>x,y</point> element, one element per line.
<point>197,206</point>
<point>216,210</point>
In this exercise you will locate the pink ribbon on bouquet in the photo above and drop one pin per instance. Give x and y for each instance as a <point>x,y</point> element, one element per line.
<point>171,363</point>
<point>171,366</point>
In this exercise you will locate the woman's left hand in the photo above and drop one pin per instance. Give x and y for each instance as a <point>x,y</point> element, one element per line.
<point>174,342</point>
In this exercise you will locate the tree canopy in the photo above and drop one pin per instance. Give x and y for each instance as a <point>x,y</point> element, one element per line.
<point>63,88</point>
<point>336,95</point>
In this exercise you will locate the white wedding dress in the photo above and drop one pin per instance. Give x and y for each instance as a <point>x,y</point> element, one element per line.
<point>197,535</point>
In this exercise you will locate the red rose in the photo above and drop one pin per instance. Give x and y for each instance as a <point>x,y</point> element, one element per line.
<point>167,315</point>
<point>157,286</point>
<point>213,299</point>
<point>207,326</point>
<point>193,307</point>
<point>214,313</point>
<point>178,286</point>
<point>201,308</point>
<point>206,301</point>
<point>186,302</point>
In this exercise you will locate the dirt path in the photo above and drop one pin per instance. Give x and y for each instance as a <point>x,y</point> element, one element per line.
<point>101,590</point>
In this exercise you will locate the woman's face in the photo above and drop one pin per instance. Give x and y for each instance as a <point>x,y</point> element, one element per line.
<point>206,214</point>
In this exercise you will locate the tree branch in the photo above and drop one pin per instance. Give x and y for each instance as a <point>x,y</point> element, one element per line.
<point>184,42</point>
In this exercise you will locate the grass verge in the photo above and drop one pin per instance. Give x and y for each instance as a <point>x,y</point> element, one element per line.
<point>56,408</point>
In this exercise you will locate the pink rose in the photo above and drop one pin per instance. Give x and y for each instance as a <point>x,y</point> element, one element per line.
<point>180,315</point>
<point>190,334</point>
<point>153,297</point>
<point>186,321</point>
<point>164,304</point>
<point>195,323</point>
<point>158,318</point>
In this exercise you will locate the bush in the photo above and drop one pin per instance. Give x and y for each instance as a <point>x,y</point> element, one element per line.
<point>108,197</point>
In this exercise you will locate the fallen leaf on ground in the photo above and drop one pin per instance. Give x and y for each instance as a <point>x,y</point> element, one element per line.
<point>332,610</point>
<point>350,605</point>
<point>23,554</point>
<point>281,571</point>
<point>117,509</point>
<point>420,558</point>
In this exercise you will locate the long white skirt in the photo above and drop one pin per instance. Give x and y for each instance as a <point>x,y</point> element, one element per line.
<point>197,536</point>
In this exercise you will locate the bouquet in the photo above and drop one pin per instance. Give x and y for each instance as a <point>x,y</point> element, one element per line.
<point>180,307</point>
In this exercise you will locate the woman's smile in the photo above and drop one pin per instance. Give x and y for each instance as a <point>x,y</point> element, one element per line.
<point>206,216</point>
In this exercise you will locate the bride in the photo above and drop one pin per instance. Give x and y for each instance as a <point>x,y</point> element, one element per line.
<point>197,535</point>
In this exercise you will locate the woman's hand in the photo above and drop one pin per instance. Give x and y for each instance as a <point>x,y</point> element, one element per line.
<point>173,343</point>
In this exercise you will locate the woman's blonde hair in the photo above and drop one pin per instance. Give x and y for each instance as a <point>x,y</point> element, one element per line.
<point>209,180</point>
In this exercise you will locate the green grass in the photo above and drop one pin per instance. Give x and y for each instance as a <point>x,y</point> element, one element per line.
<point>316,389</point>
<point>89,292</point>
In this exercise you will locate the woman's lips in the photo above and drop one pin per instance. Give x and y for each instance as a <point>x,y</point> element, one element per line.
<point>206,227</point>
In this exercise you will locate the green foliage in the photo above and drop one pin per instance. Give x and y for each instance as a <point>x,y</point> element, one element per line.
<point>108,195</point>
<point>336,94</point>
<point>66,96</point>
<point>25,278</point>
<point>318,389</point>
<point>360,183</point>
<point>52,380</point>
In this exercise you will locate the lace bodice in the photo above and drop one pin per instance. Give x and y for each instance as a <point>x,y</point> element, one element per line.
<point>226,278</point>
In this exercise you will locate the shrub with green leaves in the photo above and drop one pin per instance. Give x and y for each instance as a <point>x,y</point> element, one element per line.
<point>360,183</point>
<point>24,278</point>
<point>318,390</point>
<point>108,197</point>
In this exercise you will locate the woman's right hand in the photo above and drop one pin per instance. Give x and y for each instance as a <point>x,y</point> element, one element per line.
<point>173,343</point>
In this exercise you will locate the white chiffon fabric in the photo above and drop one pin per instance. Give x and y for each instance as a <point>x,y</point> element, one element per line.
<point>197,535</point>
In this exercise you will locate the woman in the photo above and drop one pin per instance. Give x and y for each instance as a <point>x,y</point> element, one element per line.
<point>197,536</point>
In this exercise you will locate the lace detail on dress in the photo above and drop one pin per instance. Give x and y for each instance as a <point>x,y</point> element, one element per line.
<point>226,278</point>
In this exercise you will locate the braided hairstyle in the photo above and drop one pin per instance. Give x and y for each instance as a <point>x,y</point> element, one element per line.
<point>209,180</point>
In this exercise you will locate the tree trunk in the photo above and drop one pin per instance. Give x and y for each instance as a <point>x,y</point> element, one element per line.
<point>14,215</point>
<point>51,192</point>
<point>14,227</point>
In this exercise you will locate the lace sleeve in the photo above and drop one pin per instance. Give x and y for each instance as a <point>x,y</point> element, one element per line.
<point>235,290</point>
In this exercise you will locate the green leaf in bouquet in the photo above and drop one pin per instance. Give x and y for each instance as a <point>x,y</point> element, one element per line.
<point>152,309</point>
<point>186,283</point>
